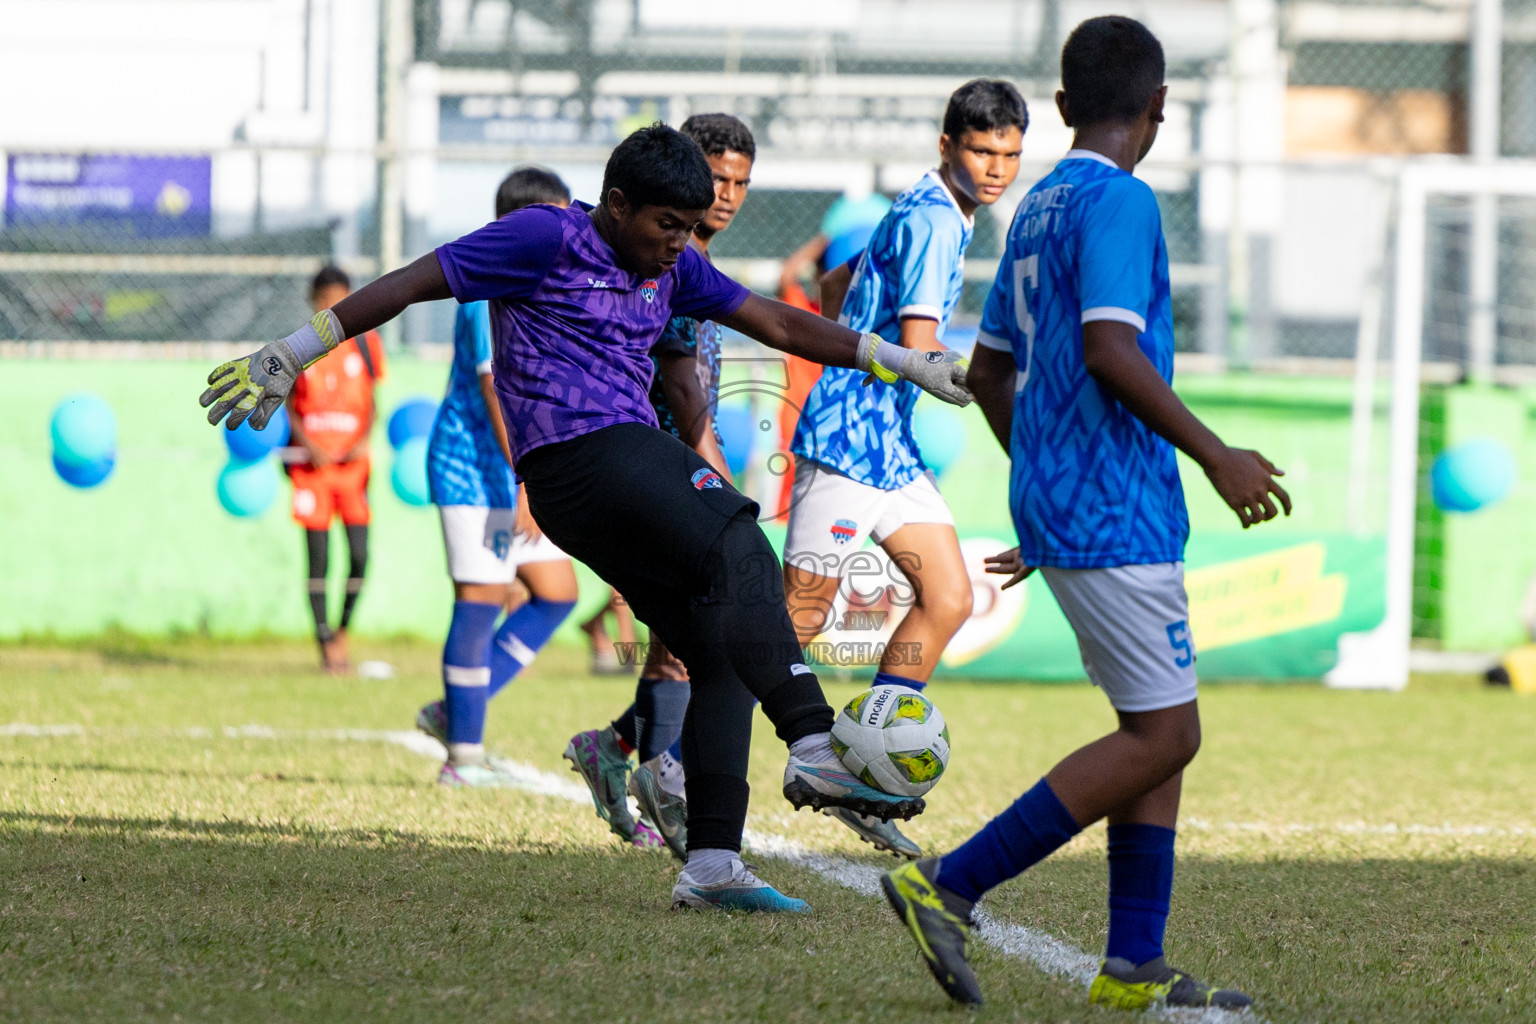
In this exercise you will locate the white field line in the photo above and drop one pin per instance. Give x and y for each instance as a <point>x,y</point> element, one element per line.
<point>1046,953</point>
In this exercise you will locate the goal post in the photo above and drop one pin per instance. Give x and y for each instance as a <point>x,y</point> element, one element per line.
<point>1378,658</point>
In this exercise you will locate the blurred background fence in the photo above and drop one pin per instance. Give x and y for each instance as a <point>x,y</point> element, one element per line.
<point>245,142</point>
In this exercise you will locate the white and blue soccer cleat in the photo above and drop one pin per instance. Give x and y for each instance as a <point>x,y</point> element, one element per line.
<point>831,785</point>
<point>472,776</point>
<point>742,891</point>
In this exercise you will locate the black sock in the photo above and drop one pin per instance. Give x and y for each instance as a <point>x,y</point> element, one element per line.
<point>316,544</point>
<point>357,549</point>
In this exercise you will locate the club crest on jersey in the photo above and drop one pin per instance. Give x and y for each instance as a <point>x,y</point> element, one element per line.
<point>844,530</point>
<point>648,290</point>
<point>706,478</point>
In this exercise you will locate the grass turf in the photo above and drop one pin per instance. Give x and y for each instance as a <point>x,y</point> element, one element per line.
<point>1344,856</point>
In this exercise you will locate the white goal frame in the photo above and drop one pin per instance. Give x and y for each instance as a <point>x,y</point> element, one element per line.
<point>1378,658</point>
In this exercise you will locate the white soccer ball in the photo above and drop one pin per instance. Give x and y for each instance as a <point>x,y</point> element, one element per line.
<point>894,739</point>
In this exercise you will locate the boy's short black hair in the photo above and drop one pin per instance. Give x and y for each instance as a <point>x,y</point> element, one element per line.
<point>984,105</point>
<point>720,133</point>
<point>329,276</point>
<point>528,185</point>
<point>660,166</point>
<point>1110,69</point>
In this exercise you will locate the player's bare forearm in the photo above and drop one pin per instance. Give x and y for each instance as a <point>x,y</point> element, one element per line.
<point>796,331</point>
<point>380,301</point>
<point>919,332</point>
<point>710,449</point>
<point>803,257</point>
<point>991,379</point>
<point>1243,478</point>
<point>493,413</point>
<point>690,404</point>
<point>834,289</point>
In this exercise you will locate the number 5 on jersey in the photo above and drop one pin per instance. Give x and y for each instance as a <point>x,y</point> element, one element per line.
<point>1026,280</point>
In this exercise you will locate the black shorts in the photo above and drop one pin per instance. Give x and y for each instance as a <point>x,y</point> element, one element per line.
<point>637,506</point>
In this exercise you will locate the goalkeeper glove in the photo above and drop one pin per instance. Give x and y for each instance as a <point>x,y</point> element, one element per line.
<point>254,386</point>
<point>940,373</point>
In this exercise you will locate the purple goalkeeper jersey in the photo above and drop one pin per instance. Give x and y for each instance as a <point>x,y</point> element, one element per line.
<point>573,330</point>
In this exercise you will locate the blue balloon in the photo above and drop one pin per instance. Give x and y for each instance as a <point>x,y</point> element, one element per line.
<point>940,435</point>
<point>412,418</point>
<point>247,488</point>
<point>735,423</point>
<point>1472,475</point>
<point>247,444</point>
<point>848,245</point>
<point>408,476</point>
<point>84,474</point>
<point>84,430</point>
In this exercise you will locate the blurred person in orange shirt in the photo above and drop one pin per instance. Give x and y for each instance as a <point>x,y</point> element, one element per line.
<point>332,412</point>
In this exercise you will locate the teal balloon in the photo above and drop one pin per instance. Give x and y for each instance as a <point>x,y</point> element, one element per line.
<point>247,489</point>
<point>940,435</point>
<point>408,476</point>
<point>735,423</point>
<point>84,430</point>
<point>247,444</point>
<point>1472,475</point>
<point>84,475</point>
<point>846,214</point>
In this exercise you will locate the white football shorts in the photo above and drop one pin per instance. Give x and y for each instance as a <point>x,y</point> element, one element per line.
<point>1132,626</point>
<point>482,547</point>
<point>830,515</point>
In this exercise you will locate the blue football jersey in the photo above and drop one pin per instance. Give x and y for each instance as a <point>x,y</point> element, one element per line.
<point>465,465</point>
<point>1091,485</point>
<point>913,266</point>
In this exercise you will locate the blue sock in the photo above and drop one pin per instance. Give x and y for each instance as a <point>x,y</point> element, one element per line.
<point>520,637</point>
<point>1022,836</point>
<point>892,679</point>
<point>660,705</point>
<point>676,750</point>
<point>1140,886</point>
<point>467,669</point>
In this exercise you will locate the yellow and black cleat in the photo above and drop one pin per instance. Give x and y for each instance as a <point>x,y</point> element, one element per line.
<point>941,923</point>
<point>1124,986</point>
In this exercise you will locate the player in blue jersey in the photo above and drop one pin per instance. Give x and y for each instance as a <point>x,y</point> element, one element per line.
<point>578,298</point>
<point>684,390</point>
<point>490,537</point>
<point>1073,373</point>
<point>858,472</point>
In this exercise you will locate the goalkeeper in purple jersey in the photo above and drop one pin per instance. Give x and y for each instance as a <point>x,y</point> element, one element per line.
<point>683,392</point>
<point>579,297</point>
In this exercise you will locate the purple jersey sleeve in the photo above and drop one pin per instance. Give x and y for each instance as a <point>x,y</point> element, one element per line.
<point>704,293</point>
<point>506,259</point>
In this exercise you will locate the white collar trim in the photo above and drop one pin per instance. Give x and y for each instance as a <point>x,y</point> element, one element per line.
<point>936,176</point>
<point>1088,154</point>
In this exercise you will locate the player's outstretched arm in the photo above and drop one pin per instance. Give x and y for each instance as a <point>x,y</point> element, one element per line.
<point>991,379</point>
<point>834,289</point>
<point>1244,479</point>
<point>801,333</point>
<point>254,386</point>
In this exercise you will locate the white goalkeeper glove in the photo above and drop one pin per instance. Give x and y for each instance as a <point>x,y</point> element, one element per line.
<point>940,373</point>
<point>254,386</point>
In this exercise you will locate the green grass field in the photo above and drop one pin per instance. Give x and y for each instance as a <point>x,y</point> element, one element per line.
<point>186,833</point>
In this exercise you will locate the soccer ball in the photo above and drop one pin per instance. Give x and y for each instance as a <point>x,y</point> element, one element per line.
<point>894,739</point>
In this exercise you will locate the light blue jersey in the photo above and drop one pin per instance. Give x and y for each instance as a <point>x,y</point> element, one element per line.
<point>912,267</point>
<point>1091,486</point>
<point>465,465</point>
